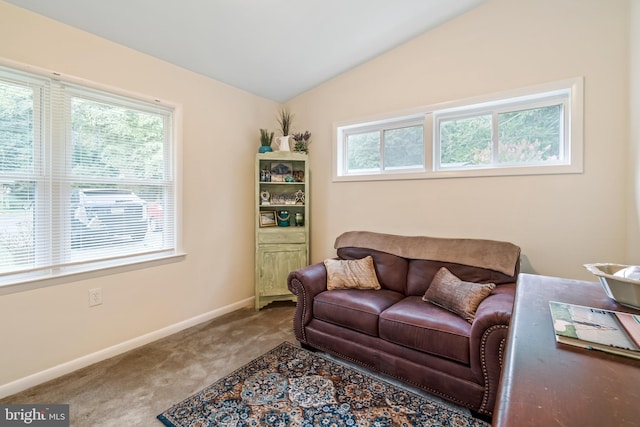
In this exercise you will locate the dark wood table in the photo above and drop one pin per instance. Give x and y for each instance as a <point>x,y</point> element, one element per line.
<point>544,383</point>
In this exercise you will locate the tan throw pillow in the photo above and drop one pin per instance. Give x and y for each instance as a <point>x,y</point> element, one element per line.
<point>351,274</point>
<point>460,297</point>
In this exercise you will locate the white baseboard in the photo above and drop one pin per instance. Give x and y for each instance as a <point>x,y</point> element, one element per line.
<point>81,362</point>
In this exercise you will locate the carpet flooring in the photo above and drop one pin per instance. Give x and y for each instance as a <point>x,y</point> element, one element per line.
<point>131,389</point>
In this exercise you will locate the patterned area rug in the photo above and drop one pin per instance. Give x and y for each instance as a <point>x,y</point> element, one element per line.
<point>290,386</point>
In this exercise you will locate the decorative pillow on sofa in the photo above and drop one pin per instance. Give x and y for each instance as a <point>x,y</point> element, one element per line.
<point>460,297</point>
<point>351,274</point>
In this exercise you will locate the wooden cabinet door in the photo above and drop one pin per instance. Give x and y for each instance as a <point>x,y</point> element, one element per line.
<point>276,262</point>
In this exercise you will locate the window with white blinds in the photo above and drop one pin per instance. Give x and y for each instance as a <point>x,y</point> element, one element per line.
<point>86,179</point>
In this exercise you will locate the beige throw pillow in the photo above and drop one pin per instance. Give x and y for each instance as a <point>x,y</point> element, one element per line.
<point>351,274</point>
<point>460,297</point>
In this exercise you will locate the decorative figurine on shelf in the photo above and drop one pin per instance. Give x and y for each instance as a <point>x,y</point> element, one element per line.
<point>266,139</point>
<point>299,197</point>
<point>299,218</point>
<point>283,218</point>
<point>264,198</point>
<point>265,175</point>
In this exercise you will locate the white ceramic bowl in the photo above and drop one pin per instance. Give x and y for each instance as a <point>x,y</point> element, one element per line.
<point>623,290</point>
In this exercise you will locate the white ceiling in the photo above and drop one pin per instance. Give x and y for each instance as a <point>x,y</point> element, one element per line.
<point>276,49</point>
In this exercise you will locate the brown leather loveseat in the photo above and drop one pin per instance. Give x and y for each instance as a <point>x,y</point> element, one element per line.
<point>395,332</point>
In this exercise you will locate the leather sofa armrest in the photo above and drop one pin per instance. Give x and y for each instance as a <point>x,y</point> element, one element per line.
<point>488,340</point>
<point>306,283</point>
<point>494,310</point>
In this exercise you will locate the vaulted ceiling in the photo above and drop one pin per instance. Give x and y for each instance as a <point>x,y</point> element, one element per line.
<point>276,49</point>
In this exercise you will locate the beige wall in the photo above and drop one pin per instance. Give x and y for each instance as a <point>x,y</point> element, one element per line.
<point>560,221</point>
<point>43,328</point>
<point>633,253</point>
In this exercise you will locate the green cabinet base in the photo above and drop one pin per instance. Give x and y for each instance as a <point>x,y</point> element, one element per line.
<point>264,301</point>
<point>274,262</point>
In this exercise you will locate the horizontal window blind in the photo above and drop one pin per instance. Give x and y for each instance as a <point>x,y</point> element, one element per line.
<point>86,178</point>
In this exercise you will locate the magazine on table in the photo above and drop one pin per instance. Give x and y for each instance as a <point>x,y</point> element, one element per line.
<point>596,329</point>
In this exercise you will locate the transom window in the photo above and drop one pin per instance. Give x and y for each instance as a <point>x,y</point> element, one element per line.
<point>530,131</point>
<point>391,146</point>
<point>86,179</point>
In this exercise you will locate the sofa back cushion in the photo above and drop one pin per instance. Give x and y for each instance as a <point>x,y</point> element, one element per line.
<point>391,269</point>
<point>421,272</point>
<point>408,264</point>
<point>490,254</point>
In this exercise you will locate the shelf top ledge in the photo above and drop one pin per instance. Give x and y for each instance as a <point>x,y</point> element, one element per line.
<point>283,154</point>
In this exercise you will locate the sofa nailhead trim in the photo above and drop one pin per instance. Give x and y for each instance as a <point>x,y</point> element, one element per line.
<point>485,397</point>
<point>297,288</point>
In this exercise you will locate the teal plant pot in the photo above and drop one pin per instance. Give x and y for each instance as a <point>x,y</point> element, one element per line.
<point>264,149</point>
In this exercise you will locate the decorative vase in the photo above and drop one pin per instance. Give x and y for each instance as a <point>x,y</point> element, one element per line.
<point>283,218</point>
<point>265,149</point>
<point>283,143</point>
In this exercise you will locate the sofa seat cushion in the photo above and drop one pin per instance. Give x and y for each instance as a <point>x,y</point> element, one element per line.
<point>353,308</point>
<point>426,327</point>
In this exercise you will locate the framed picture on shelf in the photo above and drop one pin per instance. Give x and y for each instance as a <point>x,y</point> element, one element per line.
<point>280,171</point>
<point>298,176</point>
<point>268,219</point>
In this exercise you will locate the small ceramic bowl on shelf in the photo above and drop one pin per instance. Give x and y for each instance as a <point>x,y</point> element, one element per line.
<point>620,282</point>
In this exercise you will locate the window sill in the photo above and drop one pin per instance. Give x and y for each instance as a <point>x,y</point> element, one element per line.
<point>30,282</point>
<point>468,173</point>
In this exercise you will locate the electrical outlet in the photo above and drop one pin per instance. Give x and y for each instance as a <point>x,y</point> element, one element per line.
<point>95,297</point>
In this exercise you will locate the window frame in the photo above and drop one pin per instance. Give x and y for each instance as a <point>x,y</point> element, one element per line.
<point>380,127</point>
<point>52,143</point>
<point>496,103</point>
